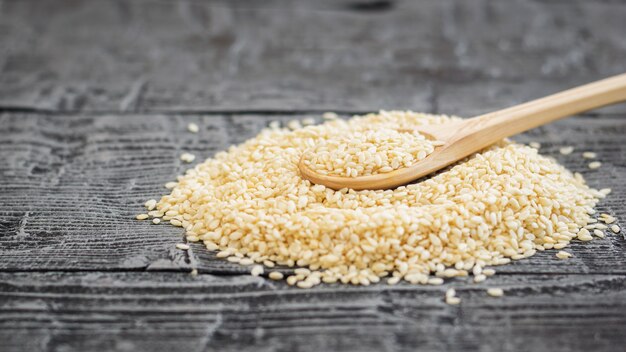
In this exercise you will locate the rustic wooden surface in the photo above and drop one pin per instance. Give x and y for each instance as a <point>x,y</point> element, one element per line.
<point>95,97</point>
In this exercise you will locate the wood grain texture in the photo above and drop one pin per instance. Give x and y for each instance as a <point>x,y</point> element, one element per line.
<point>435,55</point>
<point>170,311</point>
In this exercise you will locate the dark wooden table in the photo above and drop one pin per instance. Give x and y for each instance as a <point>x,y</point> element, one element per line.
<point>94,99</point>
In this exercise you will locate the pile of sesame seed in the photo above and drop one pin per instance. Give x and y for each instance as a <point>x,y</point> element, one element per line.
<point>353,153</point>
<point>252,206</point>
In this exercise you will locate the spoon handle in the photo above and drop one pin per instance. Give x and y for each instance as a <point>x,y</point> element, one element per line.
<point>484,130</point>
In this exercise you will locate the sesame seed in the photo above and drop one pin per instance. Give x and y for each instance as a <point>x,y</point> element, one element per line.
<point>151,204</point>
<point>276,275</point>
<point>193,128</point>
<point>142,216</point>
<point>566,150</point>
<point>450,292</point>
<point>156,221</point>
<point>194,272</point>
<point>563,255</point>
<point>589,155</point>
<point>615,228</point>
<point>329,116</point>
<point>495,292</point>
<point>489,272</point>
<point>535,145</point>
<point>187,157</point>
<point>308,121</point>
<point>274,125</point>
<point>171,185</point>
<point>595,164</point>
<point>598,233</point>
<point>480,278</point>
<point>246,261</point>
<point>257,270</point>
<point>182,246</point>
<point>393,280</point>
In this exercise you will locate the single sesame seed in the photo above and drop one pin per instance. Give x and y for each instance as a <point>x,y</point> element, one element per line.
<point>187,157</point>
<point>615,228</point>
<point>566,150</point>
<point>329,116</point>
<point>480,278</point>
<point>246,261</point>
<point>156,221</point>
<point>276,275</point>
<point>151,204</point>
<point>182,246</point>
<point>495,292</point>
<point>308,121</point>
<point>450,292</point>
<point>142,216</point>
<point>489,272</point>
<point>193,128</point>
<point>589,155</point>
<point>535,145</point>
<point>257,270</point>
<point>595,164</point>
<point>194,272</point>
<point>563,255</point>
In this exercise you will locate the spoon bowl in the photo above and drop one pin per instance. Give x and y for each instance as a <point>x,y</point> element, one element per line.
<point>463,138</point>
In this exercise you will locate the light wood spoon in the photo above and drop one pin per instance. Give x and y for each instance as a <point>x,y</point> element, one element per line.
<point>465,137</point>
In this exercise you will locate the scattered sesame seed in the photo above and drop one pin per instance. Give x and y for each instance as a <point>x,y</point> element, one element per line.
<point>595,164</point>
<point>495,292</point>
<point>615,228</point>
<point>563,255</point>
<point>294,125</point>
<point>193,128</point>
<point>246,261</point>
<point>187,157</point>
<point>142,216</point>
<point>329,116</point>
<point>450,292</point>
<point>257,270</point>
<point>489,272</point>
<point>584,235</point>
<point>151,204</point>
<point>393,280</point>
<point>535,145</point>
<point>156,221</point>
<point>308,121</point>
<point>275,125</point>
<point>194,272</point>
<point>276,275</point>
<point>480,278</point>
<point>171,185</point>
<point>566,150</point>
<point>598,233</point>
<point>589,155</point>
<point>182,246</point>
<point>435,281</point>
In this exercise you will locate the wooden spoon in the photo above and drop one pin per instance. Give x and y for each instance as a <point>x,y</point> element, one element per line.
<point>463,138</point>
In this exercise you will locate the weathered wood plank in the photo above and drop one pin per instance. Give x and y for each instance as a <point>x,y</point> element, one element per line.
<point>174,311</point>
<point>72,184</point>
<point>434,55</point>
